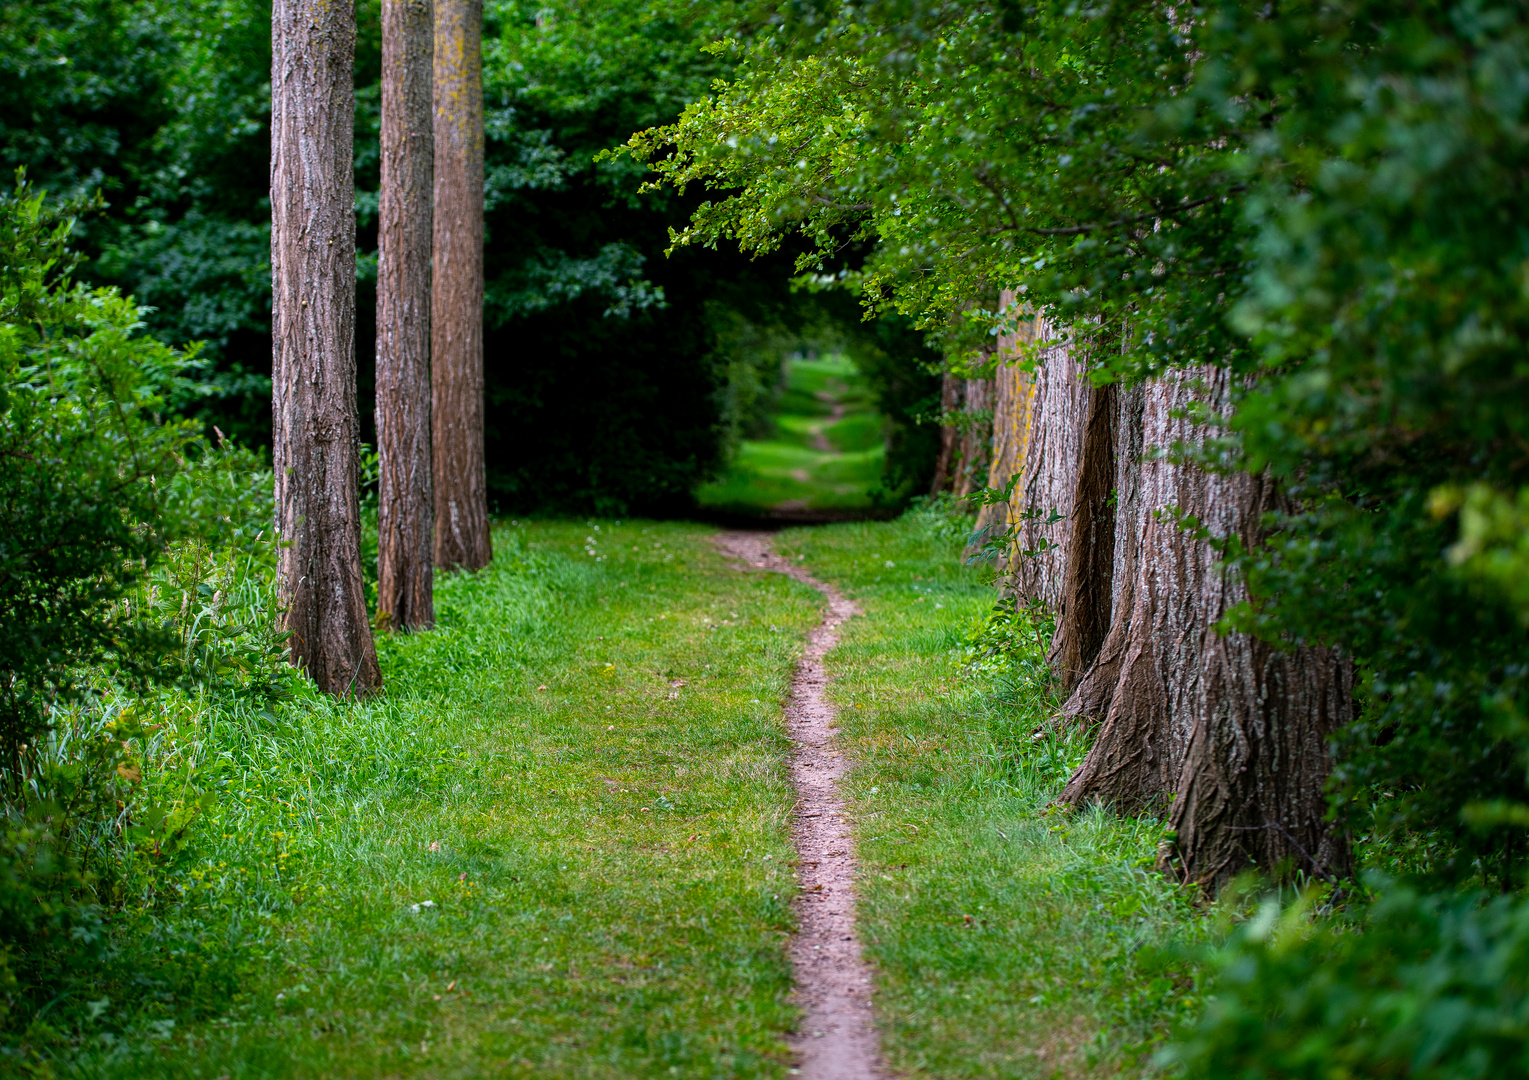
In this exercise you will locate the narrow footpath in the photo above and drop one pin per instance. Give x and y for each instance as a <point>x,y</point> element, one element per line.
<point>837,1039</point>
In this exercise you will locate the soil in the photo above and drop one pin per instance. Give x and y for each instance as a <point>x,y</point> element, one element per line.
<point>837,1039</point>
<point>820,441</point>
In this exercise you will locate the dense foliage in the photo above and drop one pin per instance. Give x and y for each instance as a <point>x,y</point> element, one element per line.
<point>88,465</point>
<point>1433,988</point>
<point>127,547</point>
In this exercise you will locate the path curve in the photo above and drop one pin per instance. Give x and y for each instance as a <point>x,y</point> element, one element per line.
<point>838,1038</point>
<point>820,441</point>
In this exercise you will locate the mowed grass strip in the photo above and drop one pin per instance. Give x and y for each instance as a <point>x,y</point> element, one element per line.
<point>1010,941</point>
<point>789,467</point>
<point>558,846</point>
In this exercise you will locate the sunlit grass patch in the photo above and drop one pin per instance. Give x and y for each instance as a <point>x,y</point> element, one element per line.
<point>814,460</point>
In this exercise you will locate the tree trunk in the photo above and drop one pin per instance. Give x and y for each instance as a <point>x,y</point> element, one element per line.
<point>1227,735</point>
<point>313,362</point>
<point>1083,612</point>
<point>1230,729</point>
<point>952,398</point>
<point>976,437</point>
<point>1043,500</point>
<point>1013,399</point>
<point>456,339</point>
<point>1090,696</point>
<point>405,566</point>
<point>1056,431</point>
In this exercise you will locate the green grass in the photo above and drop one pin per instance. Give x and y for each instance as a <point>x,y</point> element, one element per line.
<point>609,857</point>
<point>788,470</point>
<point>1010,942</point>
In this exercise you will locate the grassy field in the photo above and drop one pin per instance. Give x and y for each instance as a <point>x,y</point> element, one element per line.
<point>825,454</point>
<point>558,845</point>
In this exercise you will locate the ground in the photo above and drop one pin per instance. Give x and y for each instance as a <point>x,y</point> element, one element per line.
<point>560,844</point>
<point>825,450</point>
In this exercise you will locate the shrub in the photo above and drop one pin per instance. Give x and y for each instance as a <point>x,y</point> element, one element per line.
<point>88,461</point>
<point>134,581</point>
<point>1429,987</point>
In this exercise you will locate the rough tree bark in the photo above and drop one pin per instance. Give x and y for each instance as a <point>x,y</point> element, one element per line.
<point>313,363</point>
<point>1083,611</point>
<point>1043,498</point>
<point>952,398</point>
<point>1225,734</point>
<point>1056,431</point>
<point>1013,398</point>
<point>456,339</point>
<point>975,439</point>
<point>1230,729</point>
<point>405,510</point>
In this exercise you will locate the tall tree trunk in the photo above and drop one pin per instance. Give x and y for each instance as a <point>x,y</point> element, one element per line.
<point>952,398</point>
<point>405,510</point>
<point>1043,499</point>
<point>976,442</point>
<point>1013,400</point>
<point>1056,431</point>
<point>1083,612</point>
<point>1226,732</point>
<point>313,362</point>
<point>456,339</point>
<point>1090,696</point>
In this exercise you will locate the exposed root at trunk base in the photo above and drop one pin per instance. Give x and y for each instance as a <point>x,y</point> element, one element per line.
<point>838,1038</point>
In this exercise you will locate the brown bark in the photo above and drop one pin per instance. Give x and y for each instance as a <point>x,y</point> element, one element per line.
<point>1251,786</point>
<point>1043,499</point>
<point>313,363</point>
<point>1227,735</point>
<point>1090,698</point>
<point>1013,397</point>
<point>456,339</point>
<point>975,443</point>
<point>1083,613</point>
<point>952,397</point>
<point>1230,729</point>
<point>405,511</point>
<point>1057,431</point>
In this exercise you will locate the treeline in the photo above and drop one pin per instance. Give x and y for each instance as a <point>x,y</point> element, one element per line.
<point>611,371</point>
<point>1253,279</point>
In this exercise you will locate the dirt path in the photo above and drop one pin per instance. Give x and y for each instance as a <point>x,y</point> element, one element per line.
<point>820,441</point>
<point>838,1038</point>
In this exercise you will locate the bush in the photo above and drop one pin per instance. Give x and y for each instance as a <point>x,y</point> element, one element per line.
<point>89,461</point>
<point>135,583</point>
<point>1430,987</point>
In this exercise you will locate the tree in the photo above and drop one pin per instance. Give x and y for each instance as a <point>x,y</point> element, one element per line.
<point>456,334</point>
<point>1117,524</point>
<point>405,507</point>
<point>1226,733</point>
<point>585,322</point>
<point>313,365</point>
